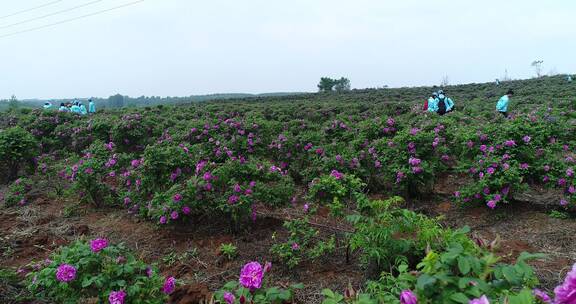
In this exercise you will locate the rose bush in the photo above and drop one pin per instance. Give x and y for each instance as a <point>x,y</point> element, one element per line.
<point>108,273</point>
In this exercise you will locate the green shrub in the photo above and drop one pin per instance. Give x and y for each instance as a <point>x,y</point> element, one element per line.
<point>336,190</point>
<point>385,233</point>
<point>17,150</point>
<point>457,276</point>
<point>452,276</point>
<point>161,162</point>
<point>229,251</point>
<point>97,274</point>
<point>17,191</point>
<point>302,244</point>
<point>87,177</point>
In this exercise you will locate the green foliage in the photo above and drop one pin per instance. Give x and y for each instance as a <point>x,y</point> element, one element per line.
<point>160,162</point>
<point>231,188</point>
<point>427,145</point>
<point>87,176</point>
<point>559,215</point>
<point>98,274</point>
<point>132,131</point>
<point>385,233</point>
<point>513,155</point>
<point>233,181</point>
<point>388,287</point>
<point>17,149</point>
<point>116,101</point>
<point>328,84</point>
<point>16,194</point>
<point>13,103</point>
<point>303,243</point>
<point>335,191</point>
<point>457,276</point>
<point>229,251</point>
<point>342,85</point>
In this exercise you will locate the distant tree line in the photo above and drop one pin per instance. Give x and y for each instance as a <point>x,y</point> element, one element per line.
<point>328,84</point>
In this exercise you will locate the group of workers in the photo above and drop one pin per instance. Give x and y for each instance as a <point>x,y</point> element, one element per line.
<point>441,104</point>
<point>76,107</point>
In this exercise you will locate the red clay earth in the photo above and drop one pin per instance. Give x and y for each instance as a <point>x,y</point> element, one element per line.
<point>191,252</point>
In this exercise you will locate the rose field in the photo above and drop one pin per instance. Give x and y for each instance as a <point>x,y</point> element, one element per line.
<point>353,197</point>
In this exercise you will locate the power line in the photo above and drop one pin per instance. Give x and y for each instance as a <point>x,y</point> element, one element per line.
<point>71,19</point>
<point>30,9</point>
<point>51,14</point>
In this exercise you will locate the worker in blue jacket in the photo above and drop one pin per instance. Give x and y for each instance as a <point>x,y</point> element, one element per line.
<point>433,102</point>
<point>75,108</point>
<point>502,105</point>
<point>445,103</point>
<point>63,108</point>
<point>91,107</point>
<point>83,109</point>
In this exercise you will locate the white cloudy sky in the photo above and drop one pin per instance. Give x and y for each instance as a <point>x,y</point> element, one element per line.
<point>184,47</point>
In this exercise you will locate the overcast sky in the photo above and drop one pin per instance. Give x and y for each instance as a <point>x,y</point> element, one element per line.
<point>186,47</point>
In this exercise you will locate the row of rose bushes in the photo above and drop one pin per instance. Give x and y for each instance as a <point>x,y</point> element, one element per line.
<point>106,273</point>
<point>166,170</point>
<point>402,155</point>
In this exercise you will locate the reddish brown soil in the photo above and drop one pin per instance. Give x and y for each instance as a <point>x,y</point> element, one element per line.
<point>32,232</point>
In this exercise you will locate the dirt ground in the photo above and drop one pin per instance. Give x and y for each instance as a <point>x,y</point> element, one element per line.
<point>191,252</point>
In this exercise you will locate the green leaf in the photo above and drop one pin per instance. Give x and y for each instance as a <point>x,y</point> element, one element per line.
<point>424,281</point>
<point>525,256</point>
<point>297,286</point>
<point>402,268</point>
<point>328,293</point>
<point>524,297</point>
<point>463,283</point>
<point>464,265</point>
<point>285,295</point>
<point>509,274</point>
<point>230,285</point>
<point>129,269</point>
<point>464,230</point>
<point>272,291</point>
<point>86,282</point>
<point>460,298</point>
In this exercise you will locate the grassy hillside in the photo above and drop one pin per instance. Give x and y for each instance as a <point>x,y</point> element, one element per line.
<point>527,90</point>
